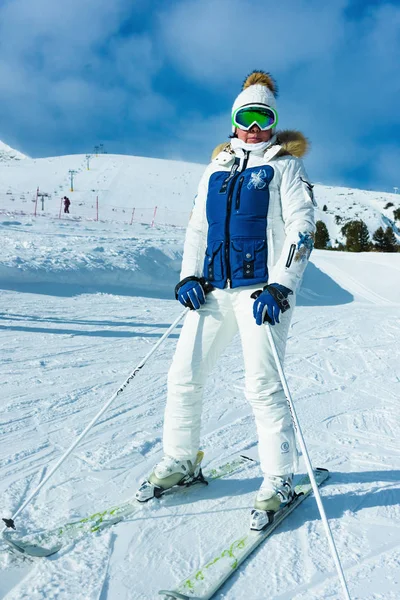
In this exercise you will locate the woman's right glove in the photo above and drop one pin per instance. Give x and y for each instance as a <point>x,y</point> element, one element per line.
<point>191,291</point>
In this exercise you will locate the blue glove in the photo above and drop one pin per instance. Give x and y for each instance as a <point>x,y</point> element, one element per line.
<point>190,292</point>
<point>270,302</point>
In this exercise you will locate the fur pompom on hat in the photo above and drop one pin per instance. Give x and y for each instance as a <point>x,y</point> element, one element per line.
<point>258,88</point>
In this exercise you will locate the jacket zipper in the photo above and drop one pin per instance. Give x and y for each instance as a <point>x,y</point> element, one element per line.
<point>228,217</point>
<point>237,203</point>
<point>245,160</point>
<point>227,232</point>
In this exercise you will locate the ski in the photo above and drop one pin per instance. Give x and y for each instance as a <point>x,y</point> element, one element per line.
<point>206,581</point>
<point>45,543</point>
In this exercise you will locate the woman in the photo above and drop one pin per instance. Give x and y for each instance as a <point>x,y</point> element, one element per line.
<point>248,240</point>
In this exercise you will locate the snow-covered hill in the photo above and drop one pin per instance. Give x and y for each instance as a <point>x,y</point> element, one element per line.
<point>8,154</point>
<point>126,188</point>
<point>347,204</point>
<point>83,301</point>
<point>114,188</point>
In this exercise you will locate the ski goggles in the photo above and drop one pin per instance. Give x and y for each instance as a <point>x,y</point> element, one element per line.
<point>263,116</point>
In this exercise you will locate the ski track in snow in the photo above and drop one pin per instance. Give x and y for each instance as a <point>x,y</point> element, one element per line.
<point>64,355</point>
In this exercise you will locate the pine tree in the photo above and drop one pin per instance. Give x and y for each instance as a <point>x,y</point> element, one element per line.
<point>396,214</point>
<point>390,241</point>
<point>364,237</point>
<point>357,236</point>
<point>321,235</point>
<point>379,239</point>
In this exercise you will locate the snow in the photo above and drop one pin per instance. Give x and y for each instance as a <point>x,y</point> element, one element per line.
<point>347,204</point>
<point>9,154</point>
<point>83,301</point>
<point>129,188</point>
<point>122,185</point>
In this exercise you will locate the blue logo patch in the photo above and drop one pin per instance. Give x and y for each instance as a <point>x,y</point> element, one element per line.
<point>304,247</point>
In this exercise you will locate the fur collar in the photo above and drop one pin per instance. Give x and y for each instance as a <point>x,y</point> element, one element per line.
<point>292,142</point>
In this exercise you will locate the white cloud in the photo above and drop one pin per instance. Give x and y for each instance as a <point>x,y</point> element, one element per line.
<point>135,61</point>
<point>337,74</point>
<point>217,42</point>
<point>196,137</point>
<point>65,67</point>
<point>55,36</point>
<point>68,77</point>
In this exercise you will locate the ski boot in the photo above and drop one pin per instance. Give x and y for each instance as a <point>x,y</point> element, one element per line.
<point>168,473</point>
<point>275,492</point>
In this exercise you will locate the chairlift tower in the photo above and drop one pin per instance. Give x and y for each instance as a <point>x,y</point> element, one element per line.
<point>88,157</point>
<point>42,196</point>
<point>71,174</point>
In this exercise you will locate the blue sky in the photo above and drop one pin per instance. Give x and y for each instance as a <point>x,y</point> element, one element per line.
<point>158,78</point>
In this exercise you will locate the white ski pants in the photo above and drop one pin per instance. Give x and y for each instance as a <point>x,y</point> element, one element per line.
<point>205,334</point>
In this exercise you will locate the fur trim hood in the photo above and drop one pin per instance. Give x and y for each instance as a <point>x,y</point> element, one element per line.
<point>292,143</point>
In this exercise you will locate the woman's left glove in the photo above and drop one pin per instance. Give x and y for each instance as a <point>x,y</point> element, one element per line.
<point>270,302</point>
<point>191,292</point>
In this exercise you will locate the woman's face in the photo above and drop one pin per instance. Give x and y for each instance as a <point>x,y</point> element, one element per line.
<point>254,135</point>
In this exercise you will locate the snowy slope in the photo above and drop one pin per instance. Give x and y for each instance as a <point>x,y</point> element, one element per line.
<point>81,303</point>
<point>346,204</point>
<point>66,257</point>
<point>120,183</point>
<point>8,154</point>
<point>130,188</point>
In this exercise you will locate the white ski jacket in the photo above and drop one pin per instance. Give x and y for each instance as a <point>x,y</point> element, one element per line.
<point>290,218</point>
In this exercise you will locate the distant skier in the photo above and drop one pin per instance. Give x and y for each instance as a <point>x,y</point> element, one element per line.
<point>67,203</point>
<point>249,238</point>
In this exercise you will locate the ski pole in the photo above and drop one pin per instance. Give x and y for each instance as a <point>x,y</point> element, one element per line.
<point>10,522</point>
<point>310,471</point>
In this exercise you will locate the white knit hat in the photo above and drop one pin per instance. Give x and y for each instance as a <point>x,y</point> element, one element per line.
<point>258,88</point>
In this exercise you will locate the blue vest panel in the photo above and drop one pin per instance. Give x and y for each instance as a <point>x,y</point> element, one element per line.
<point>237,225</point>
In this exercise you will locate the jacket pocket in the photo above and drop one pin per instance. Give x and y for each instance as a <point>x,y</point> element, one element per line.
<point>249,259</point>
<point>292,250</point>
<point>213,263</point>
